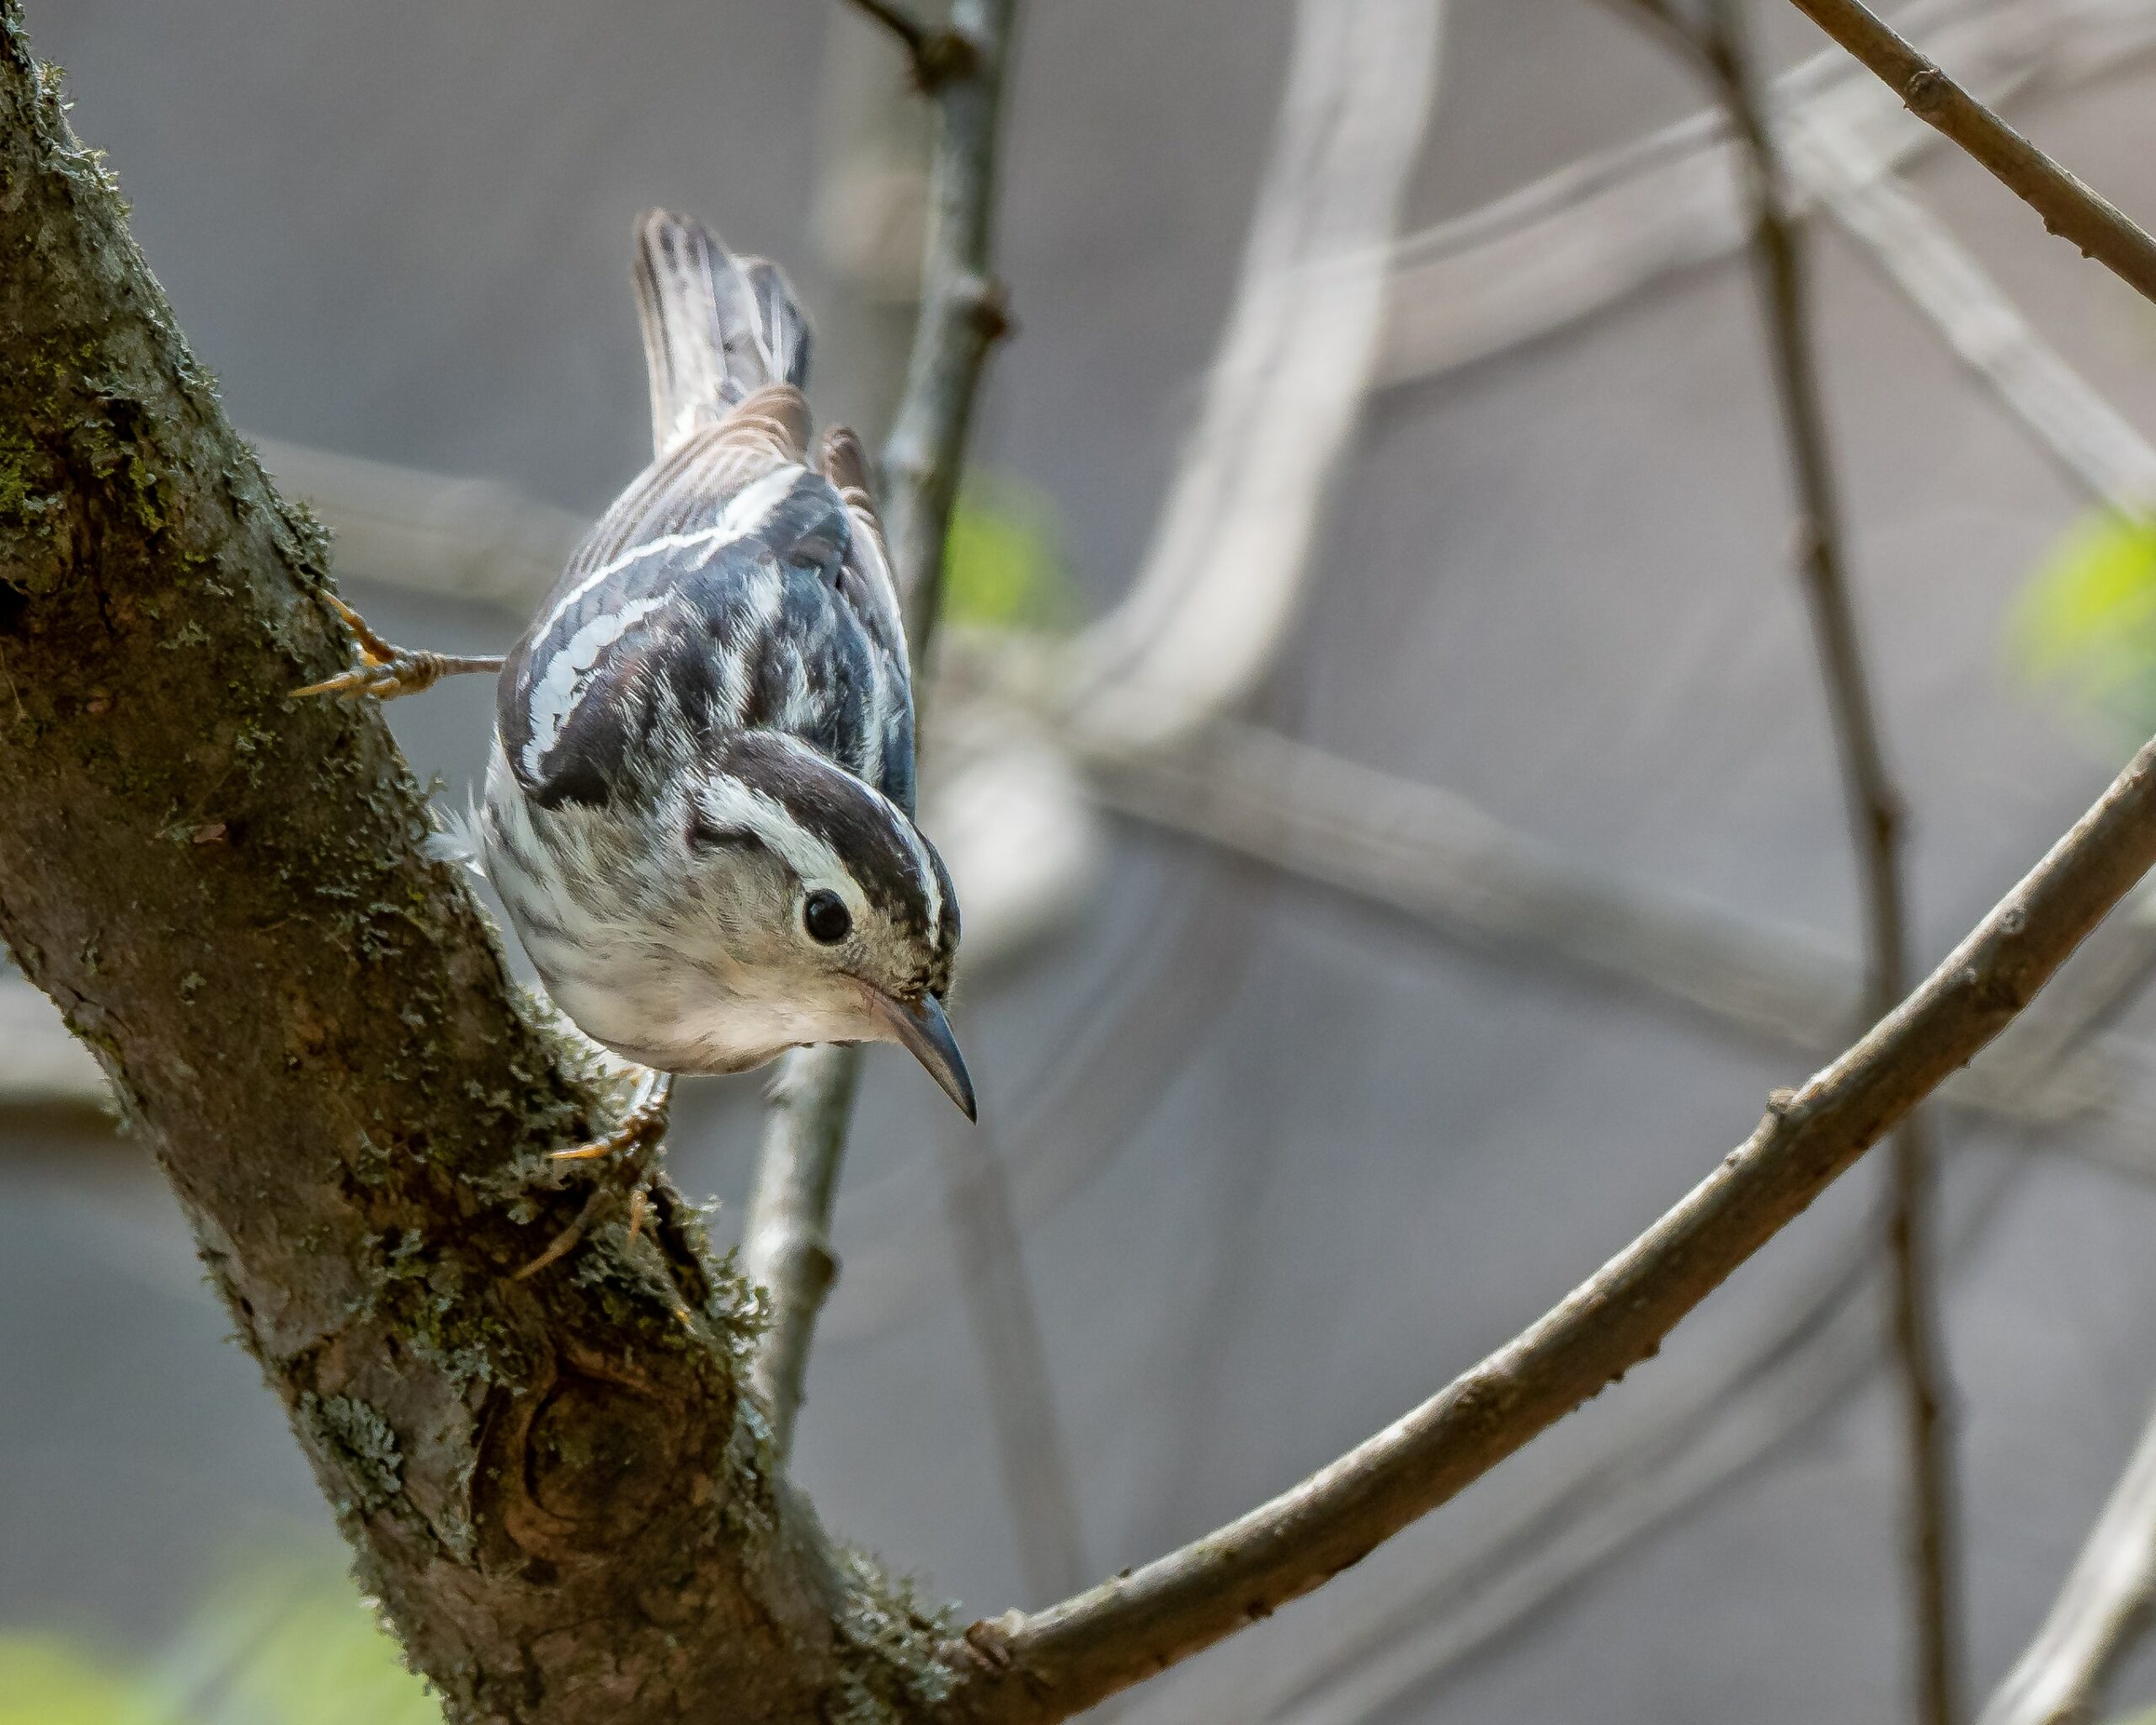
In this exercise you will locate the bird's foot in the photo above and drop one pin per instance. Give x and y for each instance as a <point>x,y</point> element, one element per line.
<point>644,1124</point>
<point>385,671</point>
<point>633,1138</point>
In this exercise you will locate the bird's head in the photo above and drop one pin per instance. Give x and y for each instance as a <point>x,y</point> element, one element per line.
<point>815,905</point>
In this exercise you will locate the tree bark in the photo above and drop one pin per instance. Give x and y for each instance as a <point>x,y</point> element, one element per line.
<point>555,1486</point>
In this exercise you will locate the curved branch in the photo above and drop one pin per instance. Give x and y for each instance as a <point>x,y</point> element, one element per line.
<point>1051,1665</point>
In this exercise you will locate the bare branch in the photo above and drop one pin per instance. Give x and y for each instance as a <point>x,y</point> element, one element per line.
<point>786,1240</point>
<point>2059,1679</point>
<point>1052,1664</point>
<point>1718,1407</point>
<point>962,315</point>
<point>787,1243</point>
<point>2069,209</point>
<point>1874,809</point>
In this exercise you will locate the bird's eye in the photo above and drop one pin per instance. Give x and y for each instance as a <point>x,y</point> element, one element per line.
<point>824,913</point>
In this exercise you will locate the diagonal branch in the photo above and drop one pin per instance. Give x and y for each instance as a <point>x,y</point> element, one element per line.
<point>1048,1665</point>
<point>2070,209</point>
<point>787,1240</point>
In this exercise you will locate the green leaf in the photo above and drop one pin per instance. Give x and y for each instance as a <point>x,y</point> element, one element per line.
<point>2085,628</point>
<point>287,1641</point>
<point>1004,566</point>
<point>49,1679</point>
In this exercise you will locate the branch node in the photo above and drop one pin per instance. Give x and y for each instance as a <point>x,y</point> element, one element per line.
<point>987,1641</point>
<point>1925,91</point>
<point>988,307</point>
<point>942,57</point>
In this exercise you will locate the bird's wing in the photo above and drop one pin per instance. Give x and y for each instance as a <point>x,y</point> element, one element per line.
<point>729,590</point>
<point>865,581</point>
<point>688,490</point>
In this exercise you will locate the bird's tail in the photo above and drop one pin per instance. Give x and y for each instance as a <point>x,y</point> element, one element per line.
<point>716,327</point>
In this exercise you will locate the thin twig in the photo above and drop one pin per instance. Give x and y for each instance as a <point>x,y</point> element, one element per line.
<point>1052,1664</point>
<point>2106,1598</point>
<point>2098,229</point>
<point>787,1249</point>
<point>1715,42</point>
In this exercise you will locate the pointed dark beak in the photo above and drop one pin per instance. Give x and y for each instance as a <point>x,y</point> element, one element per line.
<point>927,1032</point>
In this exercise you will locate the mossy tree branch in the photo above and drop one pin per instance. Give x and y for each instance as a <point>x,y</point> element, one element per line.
<point>555,1484</point>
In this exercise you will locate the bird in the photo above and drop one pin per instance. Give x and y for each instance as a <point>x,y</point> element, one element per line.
<point>699,811</point>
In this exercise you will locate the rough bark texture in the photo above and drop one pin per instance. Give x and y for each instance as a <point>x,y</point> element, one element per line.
<point>553,1485</point>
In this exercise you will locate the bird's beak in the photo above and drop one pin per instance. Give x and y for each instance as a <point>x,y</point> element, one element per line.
<point>927,1032</point>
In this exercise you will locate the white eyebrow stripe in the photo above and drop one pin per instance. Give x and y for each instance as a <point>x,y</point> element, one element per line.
<point>747,512</point>
<point>932,888</point>
<point>727,801</point>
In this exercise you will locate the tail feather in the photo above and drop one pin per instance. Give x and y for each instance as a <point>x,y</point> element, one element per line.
<point>716,328</point>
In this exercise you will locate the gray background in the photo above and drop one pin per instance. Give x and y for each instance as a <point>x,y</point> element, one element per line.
<point>1346,1157</point>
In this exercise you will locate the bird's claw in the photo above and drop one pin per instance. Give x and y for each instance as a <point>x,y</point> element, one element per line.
<point>644,1123</point>
<point>385,671</point>
<point>632,1136</point>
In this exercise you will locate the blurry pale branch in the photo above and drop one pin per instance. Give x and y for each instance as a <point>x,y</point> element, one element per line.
<point>1223,573</point>
<point>786,1237</point>
<point>786,1247</point>
<point>2069,209</point>
<point>1715,40</point>
<point>2106,1597</point>
<point>1422,851</point>
<point>2094,444</point>
<point>470,539</point>
<point>1589,235</point>
<point>1047,1665</point>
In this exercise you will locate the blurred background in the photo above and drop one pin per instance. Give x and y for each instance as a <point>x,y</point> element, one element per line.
<point>1381,747</point>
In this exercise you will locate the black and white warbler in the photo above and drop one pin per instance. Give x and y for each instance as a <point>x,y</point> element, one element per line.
<point>699,813</point>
